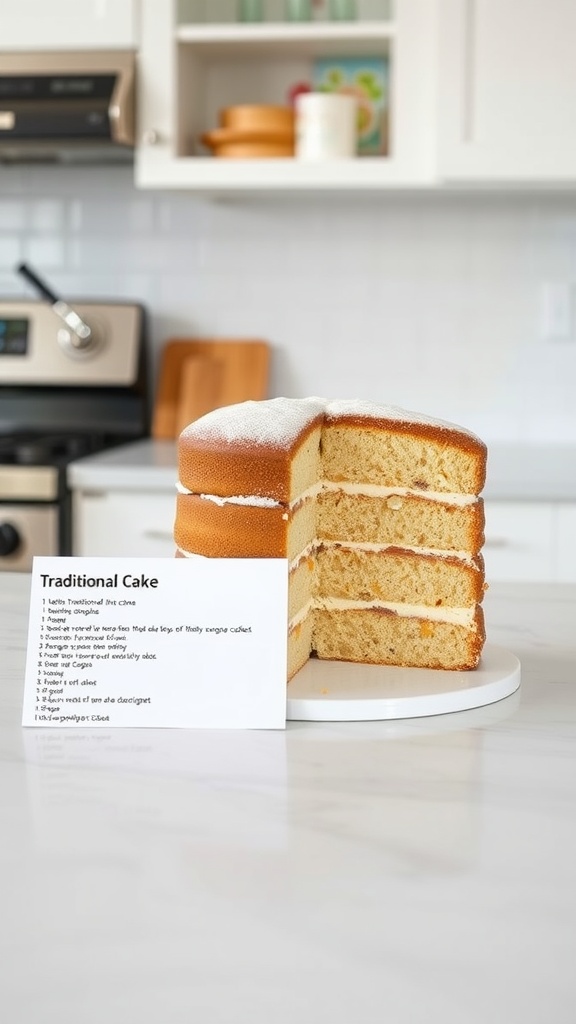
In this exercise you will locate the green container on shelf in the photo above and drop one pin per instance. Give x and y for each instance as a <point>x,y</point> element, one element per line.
<point>342,10</point>
<point>250,10</point>
<point>298,10</point>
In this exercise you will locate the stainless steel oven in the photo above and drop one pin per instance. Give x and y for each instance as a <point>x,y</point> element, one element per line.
<point>72,381</point>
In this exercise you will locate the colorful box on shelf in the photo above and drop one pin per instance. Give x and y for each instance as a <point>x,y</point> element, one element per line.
<point>367,79</point>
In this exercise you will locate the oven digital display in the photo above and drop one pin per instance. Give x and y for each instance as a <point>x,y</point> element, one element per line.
<point>14,337</point>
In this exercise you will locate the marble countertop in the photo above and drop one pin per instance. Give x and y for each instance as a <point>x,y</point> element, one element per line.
<point>516,472</point>
<point>412,871</point>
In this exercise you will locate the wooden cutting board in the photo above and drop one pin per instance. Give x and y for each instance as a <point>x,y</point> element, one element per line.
<point>198,375</point>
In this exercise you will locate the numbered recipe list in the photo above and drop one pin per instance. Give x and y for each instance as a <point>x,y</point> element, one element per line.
<point>157,642</point>
<point>74,645</point>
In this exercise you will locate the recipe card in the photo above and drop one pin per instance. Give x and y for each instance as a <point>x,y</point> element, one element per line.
<point>157,642</point>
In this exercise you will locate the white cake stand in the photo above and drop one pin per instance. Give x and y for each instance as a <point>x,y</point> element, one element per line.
<point>341,691</point>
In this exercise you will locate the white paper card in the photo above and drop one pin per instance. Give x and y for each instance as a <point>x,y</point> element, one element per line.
<point>140,642</point>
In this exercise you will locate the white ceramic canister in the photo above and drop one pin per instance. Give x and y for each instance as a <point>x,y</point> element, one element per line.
<point>326,126</point>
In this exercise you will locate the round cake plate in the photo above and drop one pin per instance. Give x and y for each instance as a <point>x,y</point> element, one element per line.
<point>339,691</point>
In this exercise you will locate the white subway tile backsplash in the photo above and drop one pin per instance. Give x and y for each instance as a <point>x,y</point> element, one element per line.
<point>429,301</point>
<point>75,221</point>
<point>10,250</point>
<point>45,252</point>
<point>123,253</point>
<point>12,215</point>
<point>46,216</point>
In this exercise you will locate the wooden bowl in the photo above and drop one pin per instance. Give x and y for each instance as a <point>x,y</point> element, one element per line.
<point>258,117</point>
<point>254,150</point>
<point>253,145</point>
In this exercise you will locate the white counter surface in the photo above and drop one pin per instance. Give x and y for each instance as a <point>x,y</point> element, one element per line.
<point>412,872</point>
<point>146,465</point>
<point>518,472</point>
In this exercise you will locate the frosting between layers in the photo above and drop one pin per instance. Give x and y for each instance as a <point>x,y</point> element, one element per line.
<point>454,616</point>
<point>310,549</point>
<point>253,500</point>
<point>365,490</point>
<point>376,491</point>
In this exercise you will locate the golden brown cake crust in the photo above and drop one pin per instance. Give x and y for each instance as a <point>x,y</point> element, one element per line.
<point>232,471</point>
<point>230,531</point>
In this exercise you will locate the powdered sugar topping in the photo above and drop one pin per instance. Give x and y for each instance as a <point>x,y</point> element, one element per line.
<point>274,423</point>
<point>279,421</point>
<point>343,408</point>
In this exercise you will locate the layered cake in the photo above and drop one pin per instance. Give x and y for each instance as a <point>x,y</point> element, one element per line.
<point>376,509</point>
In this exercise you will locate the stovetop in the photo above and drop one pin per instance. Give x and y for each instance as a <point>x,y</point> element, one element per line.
<point>28,449</point>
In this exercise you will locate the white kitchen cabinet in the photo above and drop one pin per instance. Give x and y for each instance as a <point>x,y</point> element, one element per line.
<point>565,546</point>
<point>116,523</point>
<point>530,541</point>
<point>507,88</point>
<point>519,540</point>
<point>190,68</point>
<point>68,24</point>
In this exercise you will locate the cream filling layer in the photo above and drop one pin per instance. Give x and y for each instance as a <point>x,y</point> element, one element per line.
<point>365,490</point>
<point>311,548</point>
<point>462,556</point>
<point>454,616</point>
<point>375,491</point>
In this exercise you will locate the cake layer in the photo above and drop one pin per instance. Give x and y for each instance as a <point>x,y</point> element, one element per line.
<point>299,645</point>
<point>375,636</point>
<point>406,520</point>
<point>301,589</point>
<point>268,449</point>
<point>396,575</point>
<point>392,453</point>
<point>251,448</point>
<point>234,530</point>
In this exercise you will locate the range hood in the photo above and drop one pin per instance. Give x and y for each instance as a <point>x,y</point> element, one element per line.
<point>69,106</point>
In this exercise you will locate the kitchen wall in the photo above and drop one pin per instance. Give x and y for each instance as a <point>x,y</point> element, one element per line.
<point>431,302</point>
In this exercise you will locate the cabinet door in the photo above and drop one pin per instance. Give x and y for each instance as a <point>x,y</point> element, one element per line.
<point>63,24</point>
<point>507,90</point>
<point>519,541</point>
<point>565,548</point>
<point>114,524</point>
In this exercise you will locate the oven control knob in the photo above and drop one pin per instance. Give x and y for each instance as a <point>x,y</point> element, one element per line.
<point>9,539</point>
